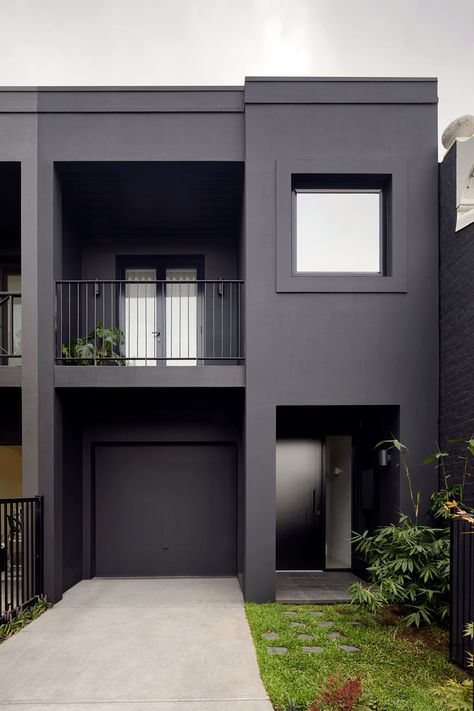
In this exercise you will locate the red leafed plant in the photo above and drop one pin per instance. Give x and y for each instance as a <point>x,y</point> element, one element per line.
<point>339,694</point>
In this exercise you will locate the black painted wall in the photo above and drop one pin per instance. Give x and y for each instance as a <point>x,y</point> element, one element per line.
<point>302,349</point>
<point>456,256</point>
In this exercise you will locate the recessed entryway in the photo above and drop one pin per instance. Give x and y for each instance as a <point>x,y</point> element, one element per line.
<point>329,483</point>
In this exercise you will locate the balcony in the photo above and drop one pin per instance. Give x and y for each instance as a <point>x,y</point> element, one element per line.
<point>10,328</point>
<point>159,323</point>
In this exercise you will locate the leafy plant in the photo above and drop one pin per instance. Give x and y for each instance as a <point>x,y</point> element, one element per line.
<point>408,563</point>
<point>18,619</point>
<point>408,566</point>
<point>450,490</point>
<point>98,348</point>
<point>456,695</point>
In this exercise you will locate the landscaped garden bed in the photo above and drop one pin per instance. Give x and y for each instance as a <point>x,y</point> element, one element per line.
<point>397,668</point>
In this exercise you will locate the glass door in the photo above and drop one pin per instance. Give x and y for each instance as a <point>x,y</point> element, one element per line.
<point>141,332</point>
<point>181,317</point>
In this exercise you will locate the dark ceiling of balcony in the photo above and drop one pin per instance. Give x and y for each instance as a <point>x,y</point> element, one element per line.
<point>176,199</point>
<point>10,209</point>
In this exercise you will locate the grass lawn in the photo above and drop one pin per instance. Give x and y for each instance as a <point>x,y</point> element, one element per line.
<point>399,667</point>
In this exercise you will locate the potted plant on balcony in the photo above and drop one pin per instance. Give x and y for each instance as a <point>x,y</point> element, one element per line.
<point>98,348</point>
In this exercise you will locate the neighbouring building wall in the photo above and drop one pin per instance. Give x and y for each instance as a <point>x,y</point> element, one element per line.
<point>456,319</point>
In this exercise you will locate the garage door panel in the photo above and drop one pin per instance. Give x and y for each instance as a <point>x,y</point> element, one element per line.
<point>165,510</point>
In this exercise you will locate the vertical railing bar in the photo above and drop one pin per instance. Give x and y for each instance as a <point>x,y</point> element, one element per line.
<point>69,315</point>
<point>26,551</point>
<point>239,352</point>
<point>163,333</point>
<point>102,296</point>
<point>231,288</point>
<point>128,306</point>
<point>2,573</point>
<point>5,538</point>
<point>12,326</point>
<point>86,287</point>
<point>213,318</point>
<point>94,325</point>
<point>12,555</point>
<point>78,309</point>
<point>138,343</point>
<point>146,323</point>
<point>222,319</point>
<point>189,286</point>
<point>61,311</point>
<point>171,316</point>
<point>204,339</point>
<point>179,329</point>
<point>17,537</point>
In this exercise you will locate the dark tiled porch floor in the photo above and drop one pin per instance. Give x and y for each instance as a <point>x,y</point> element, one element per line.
<point>314,587</point>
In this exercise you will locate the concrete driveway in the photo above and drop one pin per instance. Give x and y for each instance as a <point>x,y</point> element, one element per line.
<point>177,644</point>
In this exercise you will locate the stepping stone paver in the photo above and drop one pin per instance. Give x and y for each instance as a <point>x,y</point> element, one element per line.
<point>313,650</point>
<point>277,650</point>
<point>325,623</point>
<point>349,649</point>
<point>290,613</point>
<point>270,635</point>
<point>356,623</point>
<point>335,635</point>
<point>305,636</point>
<point>297,624</point>
<point>316,614</point>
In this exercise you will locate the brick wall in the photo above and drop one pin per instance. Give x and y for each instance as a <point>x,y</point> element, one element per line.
<point>456,319</point>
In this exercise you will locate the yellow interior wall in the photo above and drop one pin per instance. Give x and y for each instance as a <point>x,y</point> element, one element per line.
<point>10,472</point>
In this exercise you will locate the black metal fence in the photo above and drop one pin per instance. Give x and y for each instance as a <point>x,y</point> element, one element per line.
<point>10,328</point>
<point>155,322</point>
<point>21,553</point>
<point>462,590</point>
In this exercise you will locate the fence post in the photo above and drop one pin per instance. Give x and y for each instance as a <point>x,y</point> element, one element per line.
<point>39,546</point>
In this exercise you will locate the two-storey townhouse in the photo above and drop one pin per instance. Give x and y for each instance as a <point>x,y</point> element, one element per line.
<point>228,297</point>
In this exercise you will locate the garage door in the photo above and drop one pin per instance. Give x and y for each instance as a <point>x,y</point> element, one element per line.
<point>167,509</point>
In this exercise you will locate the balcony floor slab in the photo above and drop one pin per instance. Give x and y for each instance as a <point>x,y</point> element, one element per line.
<point>208,376</point>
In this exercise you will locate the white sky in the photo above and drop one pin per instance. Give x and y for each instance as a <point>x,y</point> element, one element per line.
<point>155,42</point>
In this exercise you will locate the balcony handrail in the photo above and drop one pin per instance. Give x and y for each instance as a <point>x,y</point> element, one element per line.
<point>150,281</point>
<point>10,345</point>
<point>149,321</point>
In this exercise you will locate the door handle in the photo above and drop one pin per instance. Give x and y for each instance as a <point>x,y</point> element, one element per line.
<point>157,335</point>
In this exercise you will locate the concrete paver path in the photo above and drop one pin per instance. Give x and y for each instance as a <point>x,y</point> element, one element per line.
<point>169,644</point>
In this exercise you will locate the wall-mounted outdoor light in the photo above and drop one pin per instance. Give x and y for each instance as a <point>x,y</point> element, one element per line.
<point>384,457</point>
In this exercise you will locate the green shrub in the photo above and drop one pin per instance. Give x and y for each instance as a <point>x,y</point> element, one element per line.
<point>408,563</point>
<point>98,348</point>
<point>456,695</point>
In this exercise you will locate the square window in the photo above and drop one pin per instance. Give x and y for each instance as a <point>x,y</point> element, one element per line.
<point>341,225</point>
<point>338,232</point>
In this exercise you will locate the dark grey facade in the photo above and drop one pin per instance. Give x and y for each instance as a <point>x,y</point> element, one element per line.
<point>117,177</point>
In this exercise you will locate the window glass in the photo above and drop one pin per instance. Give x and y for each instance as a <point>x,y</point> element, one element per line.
<point>338,232</point>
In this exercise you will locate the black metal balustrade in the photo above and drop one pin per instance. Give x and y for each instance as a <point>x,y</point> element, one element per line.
<point>10,327</point>
<point>156,322</point>
<point>462,590</point>
<point>21,553</point>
